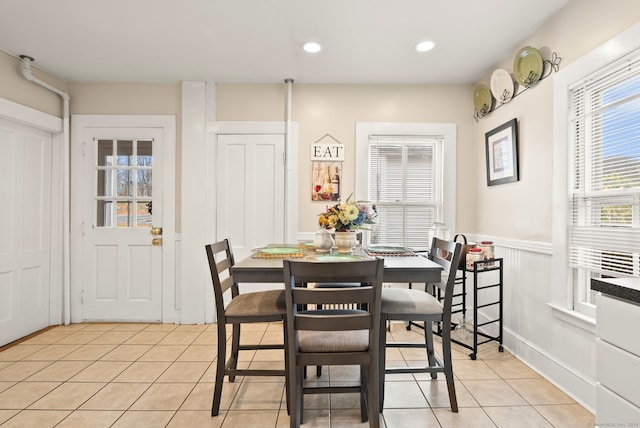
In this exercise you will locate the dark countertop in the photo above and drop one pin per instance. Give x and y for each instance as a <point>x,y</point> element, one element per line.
<point>622,288</point>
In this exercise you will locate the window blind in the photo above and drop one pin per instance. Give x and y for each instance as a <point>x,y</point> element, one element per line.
<point>604,123</point>
<point>405,184</point>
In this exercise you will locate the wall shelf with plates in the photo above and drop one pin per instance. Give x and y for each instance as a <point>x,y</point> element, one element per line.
<point>529,68</point>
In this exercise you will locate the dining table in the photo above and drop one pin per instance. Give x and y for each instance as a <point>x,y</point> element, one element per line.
<point>400,267</point>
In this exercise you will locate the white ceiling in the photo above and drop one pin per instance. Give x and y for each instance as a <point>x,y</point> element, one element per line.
<point>258,41</point>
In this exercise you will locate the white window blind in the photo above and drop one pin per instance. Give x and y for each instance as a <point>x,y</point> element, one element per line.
<point>405,182</point>
<point>604,124</point>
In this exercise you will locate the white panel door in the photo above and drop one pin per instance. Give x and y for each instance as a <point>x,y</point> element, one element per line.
<point>25,229</point>
<point>250,191</point>
<point>121,202</point>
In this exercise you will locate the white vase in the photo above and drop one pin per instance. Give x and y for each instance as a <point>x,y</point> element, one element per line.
<point>323,242</point>
<point>345,241</point>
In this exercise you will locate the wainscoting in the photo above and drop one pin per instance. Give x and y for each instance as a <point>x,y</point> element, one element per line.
<point>562,351</point>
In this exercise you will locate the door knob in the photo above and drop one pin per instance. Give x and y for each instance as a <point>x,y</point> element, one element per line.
<point>156,242</point>
<point>156,231</point>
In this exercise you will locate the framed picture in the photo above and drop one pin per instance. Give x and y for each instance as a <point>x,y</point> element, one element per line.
<point>326,181</point>
<point>502,153</point>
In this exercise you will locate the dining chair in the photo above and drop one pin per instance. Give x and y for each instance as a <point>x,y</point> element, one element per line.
<point>242,308</point>
<point>335,285</point>
<point>333,336</point>
<point>413,305</point>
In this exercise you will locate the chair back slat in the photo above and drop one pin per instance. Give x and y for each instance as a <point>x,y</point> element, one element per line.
<point>335,322</point>
<point>323,296</point>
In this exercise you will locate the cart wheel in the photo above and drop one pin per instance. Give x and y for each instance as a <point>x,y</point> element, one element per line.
<point>408,326</point>
<point>500,348</point>
<point>472,355</point>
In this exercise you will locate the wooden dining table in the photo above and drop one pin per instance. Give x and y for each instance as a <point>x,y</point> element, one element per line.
<point>413,268</point>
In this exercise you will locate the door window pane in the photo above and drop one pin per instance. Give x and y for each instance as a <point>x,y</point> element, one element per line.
<point>124,183</point>
<point>145,157</point>
<point>105,153</point>
<point>124,214</point>
<point>104,214</point>
<point>143,214</point>
<point>145,183</point>
<point>125,153</point>
<point>105,187</point>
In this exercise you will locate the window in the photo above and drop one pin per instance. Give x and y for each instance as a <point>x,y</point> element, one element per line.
<point>406,169</point>
<point>404,183</point>
<point>604,177</point>
<point>124,183</point>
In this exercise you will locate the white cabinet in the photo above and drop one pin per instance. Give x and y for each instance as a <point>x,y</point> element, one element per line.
<point>617,362</point>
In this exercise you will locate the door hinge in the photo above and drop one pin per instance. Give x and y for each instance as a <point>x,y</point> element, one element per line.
<point>284,158</point>
<point>82,297</point>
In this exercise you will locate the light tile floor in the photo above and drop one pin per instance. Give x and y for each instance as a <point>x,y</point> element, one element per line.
<point>156,375</point>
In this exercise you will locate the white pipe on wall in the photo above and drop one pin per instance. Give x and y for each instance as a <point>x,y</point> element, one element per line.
<point>66,269</point>
<point>287,161</point>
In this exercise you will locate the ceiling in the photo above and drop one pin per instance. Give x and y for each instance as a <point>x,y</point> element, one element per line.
<point>259,41</point>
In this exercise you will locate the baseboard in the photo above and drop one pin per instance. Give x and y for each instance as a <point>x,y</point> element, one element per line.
<point>567,379</point>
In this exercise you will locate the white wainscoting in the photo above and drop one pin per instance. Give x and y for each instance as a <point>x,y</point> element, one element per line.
<point>561,351</point>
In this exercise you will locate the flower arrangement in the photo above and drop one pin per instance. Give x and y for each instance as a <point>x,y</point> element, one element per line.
<point>348,216</point>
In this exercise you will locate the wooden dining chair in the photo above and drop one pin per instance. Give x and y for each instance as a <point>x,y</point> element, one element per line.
<point>333,336</point>
<point>413,305</point>
<point>242,308</point>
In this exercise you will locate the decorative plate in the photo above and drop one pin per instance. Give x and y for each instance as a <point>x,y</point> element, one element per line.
<point>338,258</point>
<point>482,99</point>
<point>387,249</point>
<point>527,66</point>
<point>501,85</point>
<point>279,250</point>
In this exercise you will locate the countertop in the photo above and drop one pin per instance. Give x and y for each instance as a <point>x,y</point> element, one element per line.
<point>622,288</point>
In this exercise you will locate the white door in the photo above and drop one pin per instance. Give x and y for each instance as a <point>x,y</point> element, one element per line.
<point>121,202</point>
<point>25,229</point>
<point>250,191</point>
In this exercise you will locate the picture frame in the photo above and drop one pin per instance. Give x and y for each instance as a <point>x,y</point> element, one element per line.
<point>501,145</point>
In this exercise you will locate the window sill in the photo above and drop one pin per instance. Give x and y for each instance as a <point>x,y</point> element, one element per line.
<point>574,318</point>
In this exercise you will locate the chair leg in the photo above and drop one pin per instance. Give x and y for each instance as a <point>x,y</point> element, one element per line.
<point>294,394</point>
<point>235,344</point>
<point>428,340</point>
<point>364,395</point>
<point>382,351</point>
<point>448,368</point>
<point>220,368</point>
<point>318,371</point>
<point>372,404</point>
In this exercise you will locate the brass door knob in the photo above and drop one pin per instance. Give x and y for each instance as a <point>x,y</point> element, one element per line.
<point>156,231</point>
<point>156,242</point>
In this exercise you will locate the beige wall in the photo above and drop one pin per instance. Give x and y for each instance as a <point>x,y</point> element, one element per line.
<point>335,109</point>
<point>522,210</point>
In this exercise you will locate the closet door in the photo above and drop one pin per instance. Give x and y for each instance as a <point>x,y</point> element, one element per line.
<point>25,229</point>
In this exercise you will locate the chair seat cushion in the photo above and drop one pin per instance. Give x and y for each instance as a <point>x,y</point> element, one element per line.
<point>260,303</point>
<point>409,301</point>
<point>333,341</point>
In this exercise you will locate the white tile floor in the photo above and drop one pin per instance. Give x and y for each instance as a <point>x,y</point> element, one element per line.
<point>156,375</point>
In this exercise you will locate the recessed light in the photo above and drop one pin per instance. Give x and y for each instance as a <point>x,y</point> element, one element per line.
<point>425,46</point>
<point>312,47</point>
